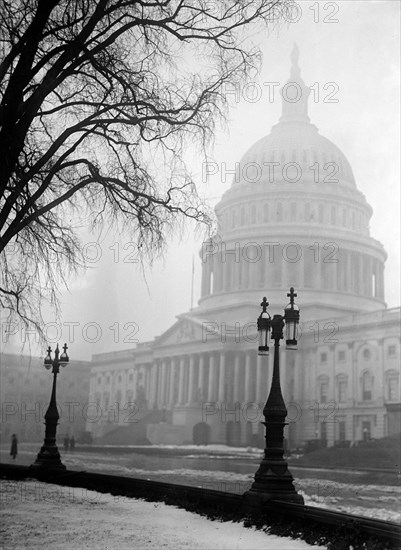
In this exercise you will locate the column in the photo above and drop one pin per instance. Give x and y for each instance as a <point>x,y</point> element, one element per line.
<point>281,258</point>
<point>348,282</point>
<point>201,375</point>
<point>248,377</point>
<point>163,374</point>
<point>334,273</point>
<point>361,272</point>
<point>153,386</point>
<point>377,279</point>
<point>268,267</point>
<point>218,273</point>
<point>135,383</point>
<point>225,275</point>
<point>222,378</point>
<point>146,380</point>
<point>237,372</point>
<point>381,278</point>
<point>181,381</point>
<point>234,266</point>
<point>191,382</point>
<point>245,271</point>
<point>212,394</point>
<point>260,275</point>
<point>173,366</point>
<point>204,277</point>
<point>261,363</point>
<point>318,266</point>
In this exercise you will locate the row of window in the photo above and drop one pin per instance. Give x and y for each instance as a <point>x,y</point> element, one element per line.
<point>119,378</point>
<point>391,387</point>
<point>311,213</point>
<point>391,351</point>
<point>365,431</point>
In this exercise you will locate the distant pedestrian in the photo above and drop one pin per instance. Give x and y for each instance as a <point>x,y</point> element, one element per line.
<point>72,443</point>
<point>14,446</point>
<point>66,442</point>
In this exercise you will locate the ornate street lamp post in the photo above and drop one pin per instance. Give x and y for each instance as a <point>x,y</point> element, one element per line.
<point>273,480</point>
<point>48,455</point>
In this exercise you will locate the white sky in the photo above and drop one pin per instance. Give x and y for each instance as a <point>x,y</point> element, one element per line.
<point>360,53</point>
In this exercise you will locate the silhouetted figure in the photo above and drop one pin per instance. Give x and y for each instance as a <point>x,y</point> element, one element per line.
<point>14,446</point>
<point>72,443</point>
<point>66,442</point>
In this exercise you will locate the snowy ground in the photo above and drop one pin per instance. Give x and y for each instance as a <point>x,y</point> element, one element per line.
<point>39,515</point>
<point>232,470</point>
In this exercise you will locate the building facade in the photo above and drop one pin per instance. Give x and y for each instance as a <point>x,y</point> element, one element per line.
<point>25,390</point>
<point>293,216</point>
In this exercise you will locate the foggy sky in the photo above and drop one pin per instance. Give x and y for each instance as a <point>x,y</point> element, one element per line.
<point>360,53</point>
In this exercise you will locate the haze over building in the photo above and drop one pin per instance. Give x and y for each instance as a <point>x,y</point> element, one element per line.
<point>293,217</point>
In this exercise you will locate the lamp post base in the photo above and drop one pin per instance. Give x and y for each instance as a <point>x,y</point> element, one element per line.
<point>273,481</point>
<point>49,457</point>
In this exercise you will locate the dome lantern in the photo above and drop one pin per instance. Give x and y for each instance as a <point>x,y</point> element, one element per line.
<point>295,94</point>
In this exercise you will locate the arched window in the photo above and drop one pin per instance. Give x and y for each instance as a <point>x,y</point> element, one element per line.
<point>367,354</point>
<point>321,213</point>
<point>293,211</point>
<point>307,212</point>
<point>253,213</point>
<point>265,212</point>
<point>333,215</point>
<point>279,213</point>
<point>367,386</point>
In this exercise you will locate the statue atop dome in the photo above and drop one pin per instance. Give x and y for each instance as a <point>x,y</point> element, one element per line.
<point>295,70</point>
<point>295,93</point>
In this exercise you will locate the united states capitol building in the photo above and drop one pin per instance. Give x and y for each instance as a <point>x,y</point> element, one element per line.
<point>293,216</point>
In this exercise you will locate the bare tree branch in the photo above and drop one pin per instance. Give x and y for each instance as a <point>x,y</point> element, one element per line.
<point>93,96</point>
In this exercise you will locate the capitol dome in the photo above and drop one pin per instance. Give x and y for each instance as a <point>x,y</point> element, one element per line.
<point>302,145</point>
<point>294,216</point>
<point>294,147</point>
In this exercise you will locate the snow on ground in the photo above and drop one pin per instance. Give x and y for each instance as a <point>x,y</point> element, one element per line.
<point>203,449</point>
<point>40,515</point>
<point>343,493</point>
<point>342,497</point>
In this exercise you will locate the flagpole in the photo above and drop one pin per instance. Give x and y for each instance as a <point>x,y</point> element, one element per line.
<point>192,281</point>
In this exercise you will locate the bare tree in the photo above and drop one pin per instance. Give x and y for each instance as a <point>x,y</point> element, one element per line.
<point>99,99</point>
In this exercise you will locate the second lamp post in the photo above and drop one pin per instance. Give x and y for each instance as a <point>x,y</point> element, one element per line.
<point>49,455</point>
<point>273,480</point>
